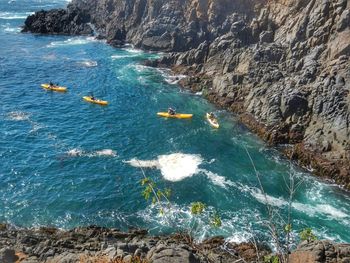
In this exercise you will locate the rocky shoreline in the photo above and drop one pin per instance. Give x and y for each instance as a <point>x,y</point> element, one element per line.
<point>99,244</point>
<point>282,66</point>
<point>103,245</point>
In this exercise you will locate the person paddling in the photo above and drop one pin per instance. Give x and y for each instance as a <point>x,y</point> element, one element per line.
<point>212,116</point>
<point>171,111</point>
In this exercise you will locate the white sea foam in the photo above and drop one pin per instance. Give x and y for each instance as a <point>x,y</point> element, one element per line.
<point>123,56</point>
<point>217,179</point>
<point>169,77</point>
<point>10,15</point>
<point>35,126</point>
<point>72,42</point>
<point>49,57</point>
<point>133,50</point>
<point>18,116</point>
<point>143,164</point>
<point>173,79</point>
<point>100,153</point>
<point>7,28</point>
<point>310,209</point>
<point>88,63</point>
<point>267,199</point>
<point>174,167</point>
<point>75,152</point>
<point>331,211</point>
<point>104,152</point>
<point>178,166</point>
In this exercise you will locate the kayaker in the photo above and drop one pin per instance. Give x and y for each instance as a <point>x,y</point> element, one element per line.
<point>51,84</point>
<point>171,111</point>
<point>211,115</point>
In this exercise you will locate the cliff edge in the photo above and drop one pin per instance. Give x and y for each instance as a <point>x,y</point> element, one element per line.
<point>282,65</point>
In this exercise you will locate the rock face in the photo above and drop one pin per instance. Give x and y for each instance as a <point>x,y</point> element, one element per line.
<point>58,21</point>
<point>319,252</point>
<point>98,244</point>
<point>282,65</point>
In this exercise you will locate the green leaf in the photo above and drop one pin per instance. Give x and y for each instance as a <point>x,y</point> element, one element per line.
<point>288,228</point>
<point>216,220</point>
<point>271,259</point>
<point>197,208</point>
<point>167,192</point>
<point>306,234</point>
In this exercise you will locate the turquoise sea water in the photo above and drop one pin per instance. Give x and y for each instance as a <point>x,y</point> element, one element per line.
<point>66,163</point>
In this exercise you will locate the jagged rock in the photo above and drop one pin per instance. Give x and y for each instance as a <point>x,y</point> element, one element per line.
<point>273,61</point>
<point>163,254</point>
<point>319,252</point>
<point>8,255</point>
<point>266,37</point>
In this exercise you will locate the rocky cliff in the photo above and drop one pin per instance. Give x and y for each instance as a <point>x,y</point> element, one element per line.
<point>282,65</point>
<point>103,245</point>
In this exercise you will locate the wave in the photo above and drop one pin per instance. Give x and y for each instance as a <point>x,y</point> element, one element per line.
<point>18,116</point>
<point>174,167</point>
<point>178,166</point>
<point>114,57</point>
<point>218,179</point>
<point>133,50</point>
<point>72,42</point>
<point>76,152</point>
<point>310,209</point>
<point>8,29</point>
<point>11,16</point>
<point>169,77</point>
<point>88,63</point>
<point>179,217</point>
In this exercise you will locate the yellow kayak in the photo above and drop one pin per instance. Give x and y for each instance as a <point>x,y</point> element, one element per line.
<point>213,122</point>
<point>177,115</point>
<point>96,101</point>
<point>54,88</point>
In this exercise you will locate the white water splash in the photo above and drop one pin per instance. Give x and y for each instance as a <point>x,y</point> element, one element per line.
<point>104,152</point>
<point>310,209</point>
<point>18,116</point>
<point>72,42</point>
<point>133,50</point>
<point>178,166</point>
<point>75,152</point>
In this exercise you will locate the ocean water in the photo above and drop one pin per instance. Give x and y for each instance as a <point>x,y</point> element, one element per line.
<point>67,163</point>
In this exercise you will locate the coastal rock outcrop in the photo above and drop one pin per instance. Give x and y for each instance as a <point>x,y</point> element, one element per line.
<point>283,65</point>
<point>99,244</point>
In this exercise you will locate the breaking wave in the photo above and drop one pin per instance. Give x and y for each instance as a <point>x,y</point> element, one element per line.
<point>11,16</point>
<point>72,42</point>
<point>178,166</point>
